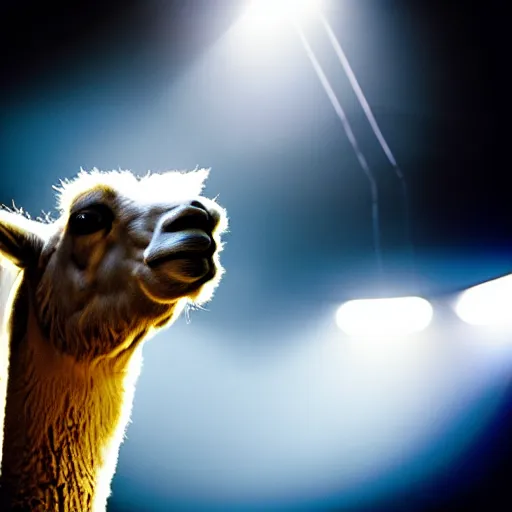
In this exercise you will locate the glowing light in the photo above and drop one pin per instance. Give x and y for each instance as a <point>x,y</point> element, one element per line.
<point>384,317</point>
<point>264,13</point>
<point>487,304</point>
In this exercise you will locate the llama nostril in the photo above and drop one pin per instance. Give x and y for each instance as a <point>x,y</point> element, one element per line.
<point>197,204</point>
<point>212,215</point>
<point>187,217</point>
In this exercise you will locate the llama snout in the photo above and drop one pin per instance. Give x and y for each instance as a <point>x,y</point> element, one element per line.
<point>183,233</point>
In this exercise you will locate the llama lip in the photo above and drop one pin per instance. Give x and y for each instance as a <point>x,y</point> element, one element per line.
<point>190,243</point>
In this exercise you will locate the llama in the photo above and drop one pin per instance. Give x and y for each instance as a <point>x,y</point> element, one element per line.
<point>80,295</point>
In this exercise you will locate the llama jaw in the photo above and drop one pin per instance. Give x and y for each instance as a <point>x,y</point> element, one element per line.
<point>175,277</point>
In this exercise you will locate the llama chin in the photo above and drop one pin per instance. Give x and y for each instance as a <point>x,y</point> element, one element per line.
<point>79,296</point>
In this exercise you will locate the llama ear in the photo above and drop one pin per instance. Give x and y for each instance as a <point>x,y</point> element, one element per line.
<point>21,239</point>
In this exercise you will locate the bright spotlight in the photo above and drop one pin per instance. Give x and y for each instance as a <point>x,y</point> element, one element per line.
<point>487,304</point>
<point>264,13</point>
<point>384,317</point>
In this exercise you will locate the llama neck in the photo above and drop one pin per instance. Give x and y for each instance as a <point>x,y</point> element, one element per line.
<point>64,423</point>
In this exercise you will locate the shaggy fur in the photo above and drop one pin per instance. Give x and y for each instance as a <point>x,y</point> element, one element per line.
<point>77,306</point>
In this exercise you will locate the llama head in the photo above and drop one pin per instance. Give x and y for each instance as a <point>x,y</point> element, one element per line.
<point>124,257</point>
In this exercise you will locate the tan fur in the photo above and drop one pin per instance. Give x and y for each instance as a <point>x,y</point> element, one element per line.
<point>79,313</point>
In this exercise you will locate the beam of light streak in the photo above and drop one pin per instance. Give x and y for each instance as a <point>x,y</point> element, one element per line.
<point>352,139</point>
<point>375,128</point>
<point>487,303</point>
<point>382,318</point>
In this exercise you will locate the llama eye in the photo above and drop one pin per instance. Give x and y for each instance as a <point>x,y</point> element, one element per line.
<point>91,220</point>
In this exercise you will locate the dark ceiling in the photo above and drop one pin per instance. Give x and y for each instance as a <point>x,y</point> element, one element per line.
<point>40,39</point>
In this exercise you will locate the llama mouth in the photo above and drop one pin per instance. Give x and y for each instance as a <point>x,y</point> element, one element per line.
<point>177,273</point>
<point>190,244</point>
<point>182,255</point>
